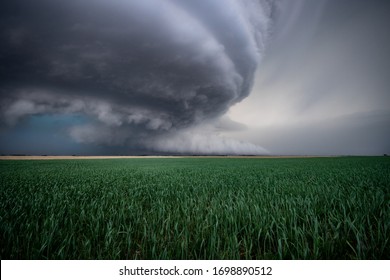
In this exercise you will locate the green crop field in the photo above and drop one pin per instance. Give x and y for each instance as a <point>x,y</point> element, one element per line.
<point>196,208</point>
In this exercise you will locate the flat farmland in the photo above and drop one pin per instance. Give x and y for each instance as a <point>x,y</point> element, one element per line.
<point>195,208</point>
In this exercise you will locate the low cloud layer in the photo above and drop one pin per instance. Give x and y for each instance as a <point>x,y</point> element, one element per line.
<point>142,72</point>
<point>203,140</point>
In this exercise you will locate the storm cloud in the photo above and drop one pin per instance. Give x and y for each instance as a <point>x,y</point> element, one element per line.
<point>143,73</point>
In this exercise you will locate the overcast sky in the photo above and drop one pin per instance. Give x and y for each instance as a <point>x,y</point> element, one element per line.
<point>195,77</point>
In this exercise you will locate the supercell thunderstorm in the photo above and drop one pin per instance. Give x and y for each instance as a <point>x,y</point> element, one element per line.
<point>154,74</point>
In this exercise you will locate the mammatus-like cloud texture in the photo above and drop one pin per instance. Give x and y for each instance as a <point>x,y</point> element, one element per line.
<point>139,70</point>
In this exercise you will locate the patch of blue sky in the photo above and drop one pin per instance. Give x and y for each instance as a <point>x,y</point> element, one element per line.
<point>44,134</point>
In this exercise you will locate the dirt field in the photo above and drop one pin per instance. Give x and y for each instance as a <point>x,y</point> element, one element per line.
<point>118,157</point>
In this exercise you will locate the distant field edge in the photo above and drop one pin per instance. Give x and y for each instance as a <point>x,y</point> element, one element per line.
<point>176,156</point>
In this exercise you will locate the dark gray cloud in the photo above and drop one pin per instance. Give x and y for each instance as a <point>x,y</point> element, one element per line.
<point>140,70</point>
<point>167,76</point>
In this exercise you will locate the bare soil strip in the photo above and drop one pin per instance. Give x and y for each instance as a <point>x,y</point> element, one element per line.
<point>119,157</point>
